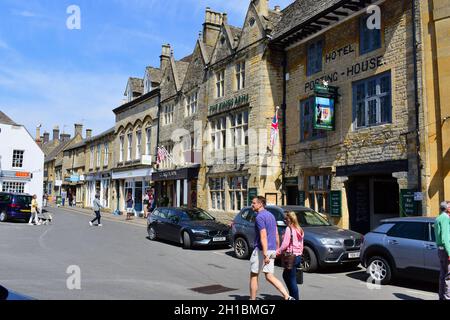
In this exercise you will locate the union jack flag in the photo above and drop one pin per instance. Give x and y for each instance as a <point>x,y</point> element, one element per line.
<point>274,130</point>
<point>163,154</point>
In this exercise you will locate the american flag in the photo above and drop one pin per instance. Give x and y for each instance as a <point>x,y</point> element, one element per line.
<point>274,130</point>
<point>163,154</point>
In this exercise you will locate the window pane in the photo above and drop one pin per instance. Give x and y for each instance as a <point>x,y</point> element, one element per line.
<point>372,88</point>
<point>361,114</point>
<point>385,84</point>
<point>385,109</point>
<point>409,230</point>
<point>372,112</point>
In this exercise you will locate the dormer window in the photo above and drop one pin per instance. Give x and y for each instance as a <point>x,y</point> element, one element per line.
<point>129,93</point>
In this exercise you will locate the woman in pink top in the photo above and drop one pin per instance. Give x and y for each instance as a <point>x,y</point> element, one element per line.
<point>296,246</point>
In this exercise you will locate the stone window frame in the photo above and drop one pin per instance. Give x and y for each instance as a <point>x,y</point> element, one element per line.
<point>17,158</point>
<point>106,157</point>
<point>379,97</point>
<point>318,191</point>
<point>148,140</point>
<point>314,57</point>
<point>168,113</point>
<point>220,83</point>
<point>369,40</point>
<point>192,103</point>
<point>240,75</point>
<point>216,186</point>
<point>219,133</point>
<point>236,192</point>
<point>307,120</point>
<point>129,146</point>
<point>138,149</point>
<point>235,128</point>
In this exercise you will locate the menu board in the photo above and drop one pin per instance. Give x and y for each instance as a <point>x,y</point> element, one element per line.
<point>336,203</point>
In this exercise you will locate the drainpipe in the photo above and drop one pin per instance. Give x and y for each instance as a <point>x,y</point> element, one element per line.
<point>416,99</point>
<point>283,147</point>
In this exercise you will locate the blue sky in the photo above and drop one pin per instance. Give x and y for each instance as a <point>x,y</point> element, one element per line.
<point>51,75</point>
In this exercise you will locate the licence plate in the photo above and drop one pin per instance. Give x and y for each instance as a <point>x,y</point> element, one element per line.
<point>25,210</point>
<point>217,239</point>
<point>353,255</point>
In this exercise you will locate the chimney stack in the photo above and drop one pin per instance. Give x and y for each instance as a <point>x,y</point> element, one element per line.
<point>65,137</point>
<point>78,129</point>
<point>46,137</point>
<point>211,27</point>
<point>277,9</point>
<point>88,133</point>
<point>164,57</point>
<point>262,7</point>
<point>38,133</point>
<point>55,133</point>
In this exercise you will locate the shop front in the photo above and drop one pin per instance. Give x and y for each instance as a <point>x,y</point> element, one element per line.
<point>99,184</point>
<point>134,184</point>
<point>177,187</point>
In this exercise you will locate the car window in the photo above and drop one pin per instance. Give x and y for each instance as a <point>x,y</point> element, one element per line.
<point>23,200</point>
<point>384,228</point>
<point>163,213</point>
<point>196,214</point>
<point>172,214</point>
<point>309,218</point>
<point>409,230</point>
<point>277,213</point>
<point>4,197</point>
<point>433,235</point>
<point>245,213</point>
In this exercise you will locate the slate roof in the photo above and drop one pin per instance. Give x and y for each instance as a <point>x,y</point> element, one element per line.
<point>4,119</point>
<point>155,74</point>
<point>137,85</point>
<point>54,153</point>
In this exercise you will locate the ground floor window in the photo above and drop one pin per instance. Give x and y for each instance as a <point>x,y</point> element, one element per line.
<point>16,187</point>
<point>217,192</point>
<point>318,193</point>
<point>105,193</point>
<point>238,192</point>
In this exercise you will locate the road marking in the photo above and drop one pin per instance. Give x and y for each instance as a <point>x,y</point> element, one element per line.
<point>219,253</point>
<point>41,239</point>
<point>422,293</point>
<point>326,276</point>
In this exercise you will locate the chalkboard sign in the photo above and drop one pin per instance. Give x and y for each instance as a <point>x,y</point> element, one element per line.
<point>301,198</point>
<point>252,193</point>
<point>336,203</point>
<point>408,207</point>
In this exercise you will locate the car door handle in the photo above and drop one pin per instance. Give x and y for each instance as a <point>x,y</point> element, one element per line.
<point>393,242</point>
<point>430,247</point>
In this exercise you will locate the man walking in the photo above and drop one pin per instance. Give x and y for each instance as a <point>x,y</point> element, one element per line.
<point>96,206</point>
<point>442,232</point>
<point>266,244</point>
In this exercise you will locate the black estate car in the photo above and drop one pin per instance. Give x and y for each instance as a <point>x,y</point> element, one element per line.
<point>187,226</point>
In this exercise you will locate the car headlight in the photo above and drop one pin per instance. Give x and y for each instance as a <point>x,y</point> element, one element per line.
<point>331,242</point>
<point>200,232</point>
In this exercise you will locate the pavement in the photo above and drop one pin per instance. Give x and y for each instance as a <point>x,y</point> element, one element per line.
<point>70,260</point>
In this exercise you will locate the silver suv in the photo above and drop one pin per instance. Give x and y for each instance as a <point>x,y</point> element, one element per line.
<point>401,247</point>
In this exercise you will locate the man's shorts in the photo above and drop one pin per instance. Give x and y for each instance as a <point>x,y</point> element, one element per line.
<point>130,210</point>
<point>257,262</point>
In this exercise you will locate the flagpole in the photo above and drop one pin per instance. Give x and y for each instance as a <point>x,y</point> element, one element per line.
<point>283,147</point>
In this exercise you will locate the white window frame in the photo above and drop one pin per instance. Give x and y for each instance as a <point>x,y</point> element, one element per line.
<point>217,195</point>
<point>138,143</point>
<point>91,159</point>
<point>240,75</point>
<point>148,137</point>
<point>121,148</point>
<point>168,114</point>
<point>13,186</point>
<point>99,154</point>
<point>17,158</point>
<point>220,83</point>
<point>106,157</point>
<point>238,191</point>
<point>192,104</point>
<point>219,133</point>
<point>130,146</point>
<point>239,131</point>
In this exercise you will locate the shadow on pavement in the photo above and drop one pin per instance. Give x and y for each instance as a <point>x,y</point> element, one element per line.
<point>176,244</point>
<point>269,297</point>
<point>406,283</point>
<point>406,297</point>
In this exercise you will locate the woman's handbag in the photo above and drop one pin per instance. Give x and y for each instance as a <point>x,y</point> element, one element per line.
<point>288,258</point>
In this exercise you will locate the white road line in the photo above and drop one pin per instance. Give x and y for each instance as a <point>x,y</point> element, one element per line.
<point>219,253</point>
<point>326,276</point>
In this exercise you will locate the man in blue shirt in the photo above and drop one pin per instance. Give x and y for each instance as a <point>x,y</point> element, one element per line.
<point>266,245</point>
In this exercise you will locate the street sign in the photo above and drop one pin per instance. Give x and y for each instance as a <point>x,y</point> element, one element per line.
<point>408,206</point>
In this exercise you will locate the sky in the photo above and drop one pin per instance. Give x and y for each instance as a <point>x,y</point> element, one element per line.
<point>52,75</point>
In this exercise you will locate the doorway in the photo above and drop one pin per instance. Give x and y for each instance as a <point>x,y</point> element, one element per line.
<point>292,196</point>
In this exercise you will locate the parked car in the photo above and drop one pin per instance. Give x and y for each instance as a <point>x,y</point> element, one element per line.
<point>6,294</point>
<point>324,244</point>
<point>401,247</point>
<point>188,226</point>
<point>14,206</point>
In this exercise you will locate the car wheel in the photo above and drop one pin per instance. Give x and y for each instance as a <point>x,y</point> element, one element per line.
<point>186,240</point>
<point>241,249</point>
<point>309,262</point>
<point>151,233</point>
<point>3,217</point>
<point>379,270</point>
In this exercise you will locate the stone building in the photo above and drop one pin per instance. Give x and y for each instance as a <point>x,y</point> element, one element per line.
<point>135,141</point>
<point>351,144</point>
<point>98,167</point>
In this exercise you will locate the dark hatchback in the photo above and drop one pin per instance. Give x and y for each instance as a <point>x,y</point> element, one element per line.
<point>190,227</point>
<point>14,206</point>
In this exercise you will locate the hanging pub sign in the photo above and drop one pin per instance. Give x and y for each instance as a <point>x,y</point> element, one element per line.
<point>324,114</point>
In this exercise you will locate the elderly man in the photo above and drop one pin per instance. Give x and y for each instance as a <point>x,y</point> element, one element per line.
<point>442,231</point>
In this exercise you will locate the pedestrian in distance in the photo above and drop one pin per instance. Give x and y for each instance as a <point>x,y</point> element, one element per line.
<point>145,201</point>
<point>292,244</point>
<point>96,206</point>
<point>130,205</point>
<point>34,212</point>
<point>442,233</point>
<point>266,245</point>
<point>151,201</point>
<point>45,199</point>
